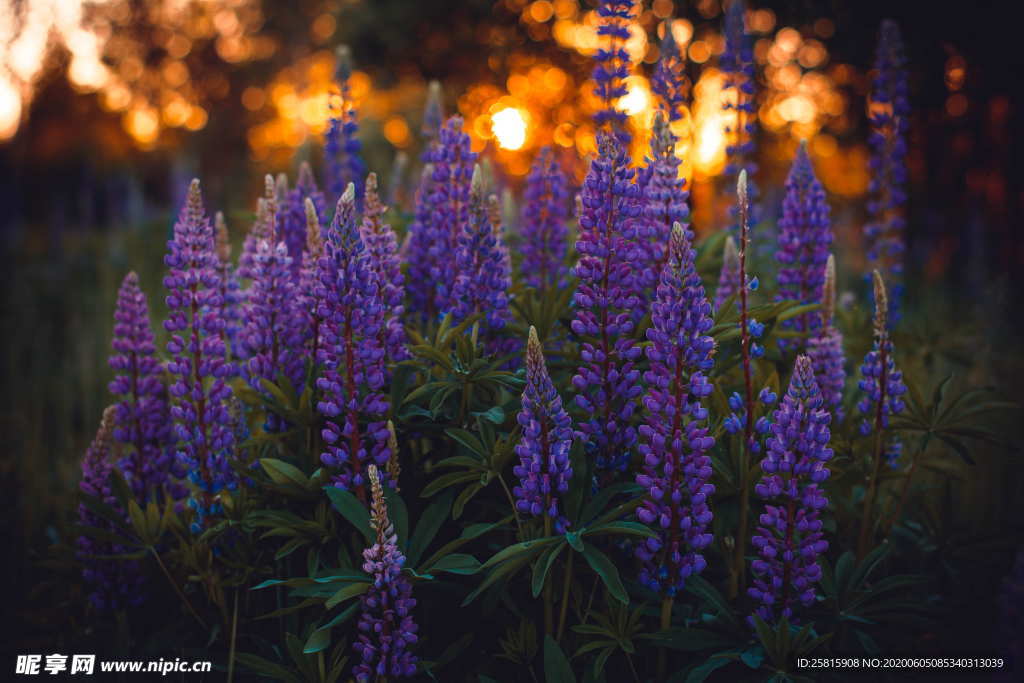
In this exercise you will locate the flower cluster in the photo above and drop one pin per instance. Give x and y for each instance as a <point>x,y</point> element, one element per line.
<point>607,382</point>
<point>890,123</point>
<point>612,65</point>
<point>200,390</point>
<point>789,538</point>
<point>804,238</point>
<point>543,470</point>
<point>352,378</point>
<point>664,203</point>
<point>675,440</point>
<point>881,382</point>
<point>262,228</point>
<point>114,583</point>
<point>231,296</point>
<point>382,248</point>
<point>292,217</point>
<point>141,416</point>
<point>386,627</point>
<point>669,81</point>
<point>737,63</point>
<point>825,347</point>
<point>342,161</point>
<point>544,229</point>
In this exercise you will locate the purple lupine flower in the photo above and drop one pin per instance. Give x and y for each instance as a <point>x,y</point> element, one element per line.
<point>674,438</point>
<point>669,81</point>
<point>352,378</point>
<point>825,347</point>
<point>494,217</point>
<point>882,383</point>
<point>482,275</point>
<point>262,228</point>
<point>198,362</point>
<point>396,195</point>
<point>382,248</point>
<point>607,382</point>
<point>545,231</point>
<point>342,161</point>
<point>114,583</point>
<point>543,470</point>
<point>141,420</point>
<point>292,215</point>
<point>889,114</point>
<point>451,161</point>
<point>737,64</point>
<point>665,203</point>
<point>789,538</point>
<point>729,278</point>
<point>231,296</point>
<point>387,631</point>
<point>309,282</point>
<point>611,66</point>
<point>415,250</point>
<point>433,115</point>
<point>804,238</point>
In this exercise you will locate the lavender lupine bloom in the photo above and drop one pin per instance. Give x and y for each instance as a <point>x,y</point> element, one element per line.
<point>789,538</point>
<point>729,278</point>
<point>890,124</point>
<point>804,239</point>
<point>262,228</point>
<point>415,250</point>
<point>231,296</point>
<point>737,63</point>
<point>674,438</point>
<point>198,362</point>
<point>612,65</point>
<point>452,161</point>
<point>482,276</point>
<point>352,378</point>
<point>881,382</point>
<point>607,382</point>
<point>669,81</point>
<point>141,419</point>
<point>292,215</point>
<point>382,248</point>
<point>665,203</point>
<point>825,347</point>
<point>545,231</point>
<point>433,115</point>
<point>387,631</point>
<point>114,583</point>
<point>309,282</point>
<point>543,470</point>
<point>342,161</point>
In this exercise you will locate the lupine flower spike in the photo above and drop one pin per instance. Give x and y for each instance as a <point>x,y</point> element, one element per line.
<point>416,249</point>
<point>382,249</point>
<point>737,63</point>
<point>674,439</point>
<point>309,281</point>
<point>433,115</point>
<point>883,387</point>
<point>394,467</point>
<point>544,228</point>
<point>669,81</point>
<point>607,382</point>
<point>387,631</point>
<point>200,388</point>
<point>140,418</point>
<point>113,583</point>
<point>804,239</point>
<point>729,279</point>
<point>262,228</point>
<point>230,294</point>
<point>342,161</point>
<point>890,123</point>
<point>825,347</point>
<point>543,470</point>
<point>789,538</point>
<point>292,215</point>
<point>665,203</point>
<point>352,378</point>
<point>612,66</point>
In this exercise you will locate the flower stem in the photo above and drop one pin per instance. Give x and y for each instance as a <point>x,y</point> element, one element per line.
<point>549,612</point>
<point>177,589</point>
<point>565,596</point>
<point>739,566</point>
<point>869,498</point>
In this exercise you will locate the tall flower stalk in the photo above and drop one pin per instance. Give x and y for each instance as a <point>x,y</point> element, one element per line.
<point>387,631</point>
<point>669,81</point>
<point>804,239</point>
<point>382,248</point>
<point>729,277</point>
<point>608,381</point>
<point>789,539</point>
<point>342,160</point>
<point>883,386</point>
<point>889,114</point>
<point>262,228</point>
<point>230,295</point>
<point>825,347</point>
<point>141,420</point>
<point>665,203</point>
<point>544,227</point>
<point>612,66</point>
<point>674,439</point>
<point>198,363</point>
<point>352,359</point>
<point>737,63</point>
<point>292,215</point>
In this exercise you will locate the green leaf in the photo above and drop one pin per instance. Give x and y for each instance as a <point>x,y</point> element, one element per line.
<point>689,639</point>
<point>317,641</point>
<point>284,473</point>
<point>704,590</point>
<point>494,415</point>
<point>266,667</point>
<point>701,673</point>
<point>446,480</point>
<point>347,593</point>
<point>430,522</point>
<point>351,509</point>
<point>347,614</point>
<point>398,514</point>
<point>556,665</point>
<point>469,440</point>
<point>604,496</point>
<point>600,563</point>
<point>544,563</point>
<point>456,563</point>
